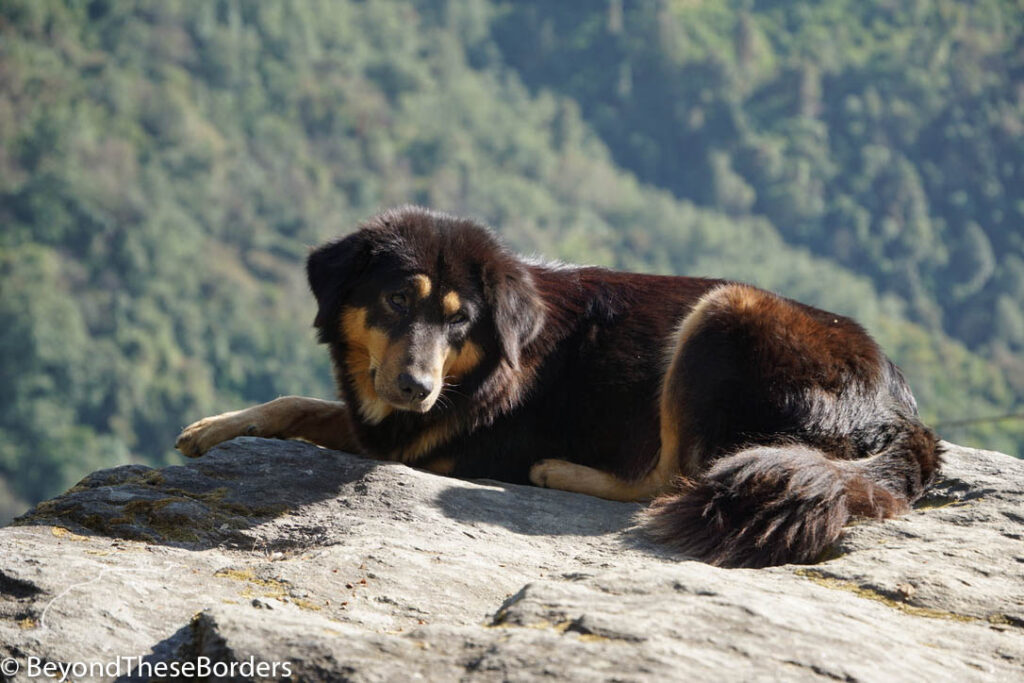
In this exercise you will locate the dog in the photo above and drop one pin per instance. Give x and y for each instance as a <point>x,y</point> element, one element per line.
<point>757,426</point>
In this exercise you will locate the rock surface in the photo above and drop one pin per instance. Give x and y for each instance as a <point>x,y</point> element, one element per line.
<point>342,568</point>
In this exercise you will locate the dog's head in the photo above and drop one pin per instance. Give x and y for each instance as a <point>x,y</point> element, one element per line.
<point>416,301</point>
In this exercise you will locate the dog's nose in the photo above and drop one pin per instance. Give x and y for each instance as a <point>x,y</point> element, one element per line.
<point>414,388</point>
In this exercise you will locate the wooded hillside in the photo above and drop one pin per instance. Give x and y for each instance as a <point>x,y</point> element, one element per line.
<point>165,166</point>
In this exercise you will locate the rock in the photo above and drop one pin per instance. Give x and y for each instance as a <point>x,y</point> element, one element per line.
<point>329,566</point>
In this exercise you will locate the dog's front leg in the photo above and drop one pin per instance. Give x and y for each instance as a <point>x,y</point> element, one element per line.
<point>324,423</point>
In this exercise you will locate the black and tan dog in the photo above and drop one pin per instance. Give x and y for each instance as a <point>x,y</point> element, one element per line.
<point>759,426</point>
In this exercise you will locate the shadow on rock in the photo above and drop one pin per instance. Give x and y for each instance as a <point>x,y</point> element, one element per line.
<point>208,502</point>
<point>174,649</point>
<point>535,511</point>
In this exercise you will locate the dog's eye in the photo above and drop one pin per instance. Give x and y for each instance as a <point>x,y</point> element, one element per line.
<point>399,301</point>
<point>459,318</point>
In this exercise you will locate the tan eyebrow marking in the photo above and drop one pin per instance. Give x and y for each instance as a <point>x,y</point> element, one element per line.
<point>422,284</point>
<point>451,303</point>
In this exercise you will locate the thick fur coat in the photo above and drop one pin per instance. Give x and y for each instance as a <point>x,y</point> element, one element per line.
<point>758,426</point>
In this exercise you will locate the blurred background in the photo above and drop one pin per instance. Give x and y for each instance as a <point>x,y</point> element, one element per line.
<point>165,166</point>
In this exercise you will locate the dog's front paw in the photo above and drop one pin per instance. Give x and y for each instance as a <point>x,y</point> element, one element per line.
<point>203,435</point>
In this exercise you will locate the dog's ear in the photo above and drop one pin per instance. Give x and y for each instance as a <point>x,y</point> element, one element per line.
<point>333,270</point>
<point>516,307</point>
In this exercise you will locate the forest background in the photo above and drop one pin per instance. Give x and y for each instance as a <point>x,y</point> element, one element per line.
<point>165,166</point>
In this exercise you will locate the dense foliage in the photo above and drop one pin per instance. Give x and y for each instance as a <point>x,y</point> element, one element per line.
<point>165,165</point>
<point>888,136</point>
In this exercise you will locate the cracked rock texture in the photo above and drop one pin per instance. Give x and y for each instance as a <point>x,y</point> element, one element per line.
<point>343,568</point>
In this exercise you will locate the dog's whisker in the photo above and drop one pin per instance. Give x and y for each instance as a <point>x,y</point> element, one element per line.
<point>451,389</point>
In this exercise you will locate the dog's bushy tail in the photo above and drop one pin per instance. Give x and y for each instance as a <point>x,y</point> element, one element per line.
<point>770,505</point>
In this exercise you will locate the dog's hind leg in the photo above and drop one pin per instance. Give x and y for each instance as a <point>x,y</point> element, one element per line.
<point>680,449</point>
<point>568,476</point>
<point>324,423</point>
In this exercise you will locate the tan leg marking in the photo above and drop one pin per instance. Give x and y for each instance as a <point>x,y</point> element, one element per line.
<point>670,436</point>
<point>568,476</point>
<point>290,417</point>
<point>686,458</point>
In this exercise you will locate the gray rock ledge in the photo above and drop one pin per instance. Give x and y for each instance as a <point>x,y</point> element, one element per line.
<point>350,569</point>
